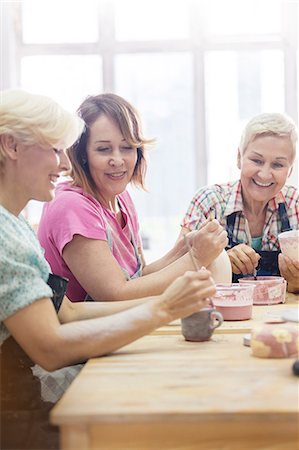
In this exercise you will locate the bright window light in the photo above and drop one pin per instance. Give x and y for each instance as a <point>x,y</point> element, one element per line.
<point>59,21</point>
<point>151,20</point>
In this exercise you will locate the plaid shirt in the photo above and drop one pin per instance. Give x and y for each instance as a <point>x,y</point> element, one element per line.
<point>221,200</point>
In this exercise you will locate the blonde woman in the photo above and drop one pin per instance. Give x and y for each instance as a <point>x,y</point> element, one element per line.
<point>37,324</point>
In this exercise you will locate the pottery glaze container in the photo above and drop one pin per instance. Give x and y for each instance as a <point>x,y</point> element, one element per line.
<point>234,301</point>
<point>268,290</point>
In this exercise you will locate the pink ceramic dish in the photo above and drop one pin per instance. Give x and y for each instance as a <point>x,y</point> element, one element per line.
<point>275,340</point>
<point>234,301</point>
<point>268,290</point>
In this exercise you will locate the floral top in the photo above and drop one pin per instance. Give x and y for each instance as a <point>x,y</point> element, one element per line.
<point>23,269</point>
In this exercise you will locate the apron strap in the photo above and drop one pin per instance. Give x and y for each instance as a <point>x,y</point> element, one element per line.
<point>230,225</point>
<point>283,215</point>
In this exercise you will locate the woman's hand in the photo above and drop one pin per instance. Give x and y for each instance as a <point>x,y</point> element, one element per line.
<point>187,294</point>
<point>289,270</point>
<point>243,258</point>
<point>208,242</point>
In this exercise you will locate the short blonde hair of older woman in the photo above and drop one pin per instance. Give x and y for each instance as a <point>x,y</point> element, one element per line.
<point>269,124</point>
<point>33,118</point>
<point>126,118</point>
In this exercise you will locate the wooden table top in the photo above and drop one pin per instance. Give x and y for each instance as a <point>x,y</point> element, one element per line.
<point>259,313</point>
<point>164,378</point>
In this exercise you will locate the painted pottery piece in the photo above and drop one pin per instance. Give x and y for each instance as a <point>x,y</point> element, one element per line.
<point>275,340</point>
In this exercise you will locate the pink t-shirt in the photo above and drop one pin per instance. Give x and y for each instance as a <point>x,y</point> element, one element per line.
<point>73,211</point>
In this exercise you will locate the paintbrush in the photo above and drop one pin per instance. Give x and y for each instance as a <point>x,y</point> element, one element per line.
<point>196,268</point>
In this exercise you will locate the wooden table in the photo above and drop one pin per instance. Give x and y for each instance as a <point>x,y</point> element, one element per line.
<point>162,392</point>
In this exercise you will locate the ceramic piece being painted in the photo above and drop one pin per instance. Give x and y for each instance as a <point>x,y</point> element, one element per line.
<point>221,268</point>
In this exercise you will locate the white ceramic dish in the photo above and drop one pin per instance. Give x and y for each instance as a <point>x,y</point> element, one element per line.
<point>289,244</point>
<point>290,315</point>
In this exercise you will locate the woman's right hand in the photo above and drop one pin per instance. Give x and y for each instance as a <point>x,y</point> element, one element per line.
<point>208,242</point>
<point>187,294</point>
<point>243,258</point>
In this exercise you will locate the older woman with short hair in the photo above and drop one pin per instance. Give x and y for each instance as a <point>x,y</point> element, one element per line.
<point>258,206</point>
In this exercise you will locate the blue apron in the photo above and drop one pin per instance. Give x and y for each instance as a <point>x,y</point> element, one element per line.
<point>268,263</point>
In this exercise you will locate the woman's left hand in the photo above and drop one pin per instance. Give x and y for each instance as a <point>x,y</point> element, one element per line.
<point>289,270</point>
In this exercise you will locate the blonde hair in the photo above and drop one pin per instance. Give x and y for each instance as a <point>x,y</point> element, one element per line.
<point>269,124</point>
<point>125,116</point>
<point>33,118</point>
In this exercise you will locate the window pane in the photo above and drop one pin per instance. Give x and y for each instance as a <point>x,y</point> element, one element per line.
<point>161,87</point>
<point>151,19</point>
<point>59,21</point>
<point>66,78</point>
<point>238,86</point>
<point>242,16</point>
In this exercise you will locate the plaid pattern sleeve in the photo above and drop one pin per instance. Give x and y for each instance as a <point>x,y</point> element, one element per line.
<point>211,201</point>
<point>291,199</point>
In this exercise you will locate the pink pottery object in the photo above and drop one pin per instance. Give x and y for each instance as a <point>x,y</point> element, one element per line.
<point>275,340</point>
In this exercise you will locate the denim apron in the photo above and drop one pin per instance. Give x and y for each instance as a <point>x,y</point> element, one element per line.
<point>268,263</point>
<point>24,415</point>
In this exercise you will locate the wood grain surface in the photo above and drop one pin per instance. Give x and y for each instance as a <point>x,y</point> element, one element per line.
<point>162,392</point>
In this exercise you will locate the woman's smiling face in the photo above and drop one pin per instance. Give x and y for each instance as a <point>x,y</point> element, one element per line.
<point>111,159</point>
<point>265,166</point>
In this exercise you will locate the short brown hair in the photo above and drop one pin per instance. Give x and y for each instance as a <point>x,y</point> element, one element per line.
<point>125,116</point>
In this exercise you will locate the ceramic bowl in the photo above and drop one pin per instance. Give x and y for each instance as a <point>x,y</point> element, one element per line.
<point>234,300</point>
<point>268,290</point>
<point>289,244</point>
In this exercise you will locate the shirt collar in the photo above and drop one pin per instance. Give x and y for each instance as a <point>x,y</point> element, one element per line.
<point>235,200</point>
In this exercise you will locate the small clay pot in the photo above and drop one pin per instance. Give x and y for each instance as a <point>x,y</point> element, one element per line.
<point>200,326</point>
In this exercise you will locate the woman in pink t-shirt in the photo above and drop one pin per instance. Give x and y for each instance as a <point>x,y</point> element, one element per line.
<point>90,231</point>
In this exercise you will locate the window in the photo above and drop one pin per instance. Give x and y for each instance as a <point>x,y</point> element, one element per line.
<point>196,70</point>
